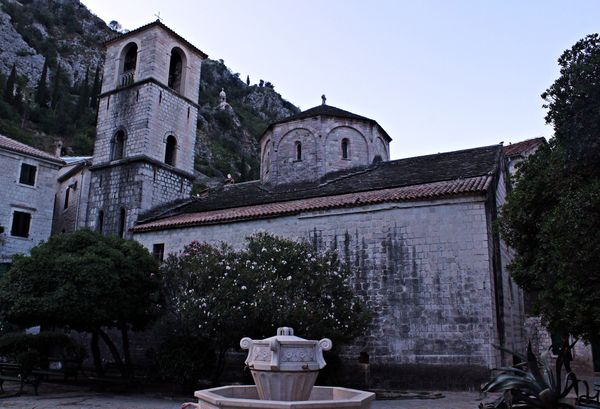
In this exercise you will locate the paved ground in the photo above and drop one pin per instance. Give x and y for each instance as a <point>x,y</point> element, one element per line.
<point>52,396</point>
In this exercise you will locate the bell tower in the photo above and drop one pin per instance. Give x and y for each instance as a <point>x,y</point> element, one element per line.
<point>146,130</point>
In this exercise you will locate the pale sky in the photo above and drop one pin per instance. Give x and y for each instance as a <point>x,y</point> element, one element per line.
<point>437,75</point>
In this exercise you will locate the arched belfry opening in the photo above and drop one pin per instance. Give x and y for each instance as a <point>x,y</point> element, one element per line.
<point>118,145</point>
<point>171,150</point>
<point>176,69</point>
<point>129,58</point>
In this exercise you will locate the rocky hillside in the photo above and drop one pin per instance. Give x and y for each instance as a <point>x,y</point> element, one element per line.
<point>50,65</point>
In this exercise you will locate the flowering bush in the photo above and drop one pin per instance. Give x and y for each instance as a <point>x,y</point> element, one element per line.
<point>220,294</point>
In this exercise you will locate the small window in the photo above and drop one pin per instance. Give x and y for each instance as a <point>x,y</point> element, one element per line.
<point>118,148</point>
<point>345,144</point>
<point>100,224</point>
<point>171,150</point>
<point>66,204</point>
<point>27,176</point>
<point>20,224</point>
<point>158,251</point>
<point>122,219</point>
<point>298,151</point>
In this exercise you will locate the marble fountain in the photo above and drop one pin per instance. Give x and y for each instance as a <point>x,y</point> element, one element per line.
<point>284,368</point>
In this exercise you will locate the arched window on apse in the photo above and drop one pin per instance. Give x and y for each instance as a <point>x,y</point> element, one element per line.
<point>345,146</point>
<point>298,147</point>
<point>171,150</point>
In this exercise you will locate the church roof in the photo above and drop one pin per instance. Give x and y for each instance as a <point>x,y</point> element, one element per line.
<point>329,111</point>
<point>519,148</point>
<point>464,172</point>
<point>15,146</point>
<point>160,24</point>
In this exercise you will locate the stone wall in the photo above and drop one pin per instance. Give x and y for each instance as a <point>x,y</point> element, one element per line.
<point>148,114</point>
<point>423,267</point>
<point>37,200</point>
<point>134,186</point>
<point>321,139</point>
<point>73,216</point>
<point>154,46</point>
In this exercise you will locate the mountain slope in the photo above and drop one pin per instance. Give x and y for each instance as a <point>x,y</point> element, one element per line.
<point>51,58</point>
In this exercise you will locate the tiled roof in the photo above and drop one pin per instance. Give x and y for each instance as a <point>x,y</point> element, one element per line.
<point>451,173</point>
<point>12,145</point>
<point>330,111</point>
<point>429,190</point>
<point>167,29</point>
<point>524,146</point>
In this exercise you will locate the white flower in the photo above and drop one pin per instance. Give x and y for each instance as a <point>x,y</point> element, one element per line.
<point>244,287</point>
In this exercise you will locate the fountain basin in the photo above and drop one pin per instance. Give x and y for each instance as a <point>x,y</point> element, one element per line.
<point>246,396</point>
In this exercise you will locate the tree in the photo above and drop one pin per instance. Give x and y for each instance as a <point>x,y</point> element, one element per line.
<point>87,282</point>
<point>41,92</point>
<point>114,25</point>
<point>11,82</point>
<point>552,216</point>
<point>96,89</point>
<point>248,80</point>
<point>222,295</point>
<point>57,90</point>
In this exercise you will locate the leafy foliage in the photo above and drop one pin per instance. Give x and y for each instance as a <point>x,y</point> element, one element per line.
<point>222,295</point>
<point>83,280</point>
<point>185,360</point>
<point>31,350</point>
<point>552,217</point>
<point>532,384</point>
<point>52,105</point>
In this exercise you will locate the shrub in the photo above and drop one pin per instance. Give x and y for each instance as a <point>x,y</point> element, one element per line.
<point>185,360</point>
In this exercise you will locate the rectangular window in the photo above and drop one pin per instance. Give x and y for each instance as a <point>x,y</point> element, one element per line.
<point>158,251</point>
<point>27,176</point>
<point>67,198</point>
<point>20,224</point>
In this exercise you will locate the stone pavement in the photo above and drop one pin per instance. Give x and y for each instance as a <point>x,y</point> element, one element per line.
<point>75,398</point>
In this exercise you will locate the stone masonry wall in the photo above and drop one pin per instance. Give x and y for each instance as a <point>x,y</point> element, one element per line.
<point>321,139</point>
<point>423,267</point>
<point>74,216</point>
<point>37,200</point>
<point>134,187</point>
<point>148,114</point>
<point>154,54</point>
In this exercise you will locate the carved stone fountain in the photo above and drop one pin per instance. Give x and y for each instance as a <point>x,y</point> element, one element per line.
<point>284,368</point>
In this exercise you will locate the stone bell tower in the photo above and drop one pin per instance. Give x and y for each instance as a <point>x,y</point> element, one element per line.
<point>146,132</point>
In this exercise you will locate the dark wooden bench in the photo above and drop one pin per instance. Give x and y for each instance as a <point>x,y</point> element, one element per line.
<point>12,372</point>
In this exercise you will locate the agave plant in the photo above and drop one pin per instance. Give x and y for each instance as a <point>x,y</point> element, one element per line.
<point>532,383</point>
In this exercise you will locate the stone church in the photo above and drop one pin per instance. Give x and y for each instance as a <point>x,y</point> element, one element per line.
<point>418,232</point>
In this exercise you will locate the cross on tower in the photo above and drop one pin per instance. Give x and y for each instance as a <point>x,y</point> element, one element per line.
<point>158,17</point>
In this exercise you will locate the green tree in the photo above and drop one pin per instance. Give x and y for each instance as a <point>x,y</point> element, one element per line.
<point>95,89</point>
<point>552,216</point>
<point>57,87</point>
<point>11,82</point>
<point>222,295</point>
<point>41,93</point>
<point>87,282</point>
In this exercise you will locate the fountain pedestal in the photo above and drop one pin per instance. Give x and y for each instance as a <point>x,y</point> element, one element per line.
<point>284,368</point>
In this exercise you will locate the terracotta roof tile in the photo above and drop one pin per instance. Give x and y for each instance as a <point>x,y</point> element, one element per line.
<point>15,146</point>
<point>519,148</point>
<point>448,188</point>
